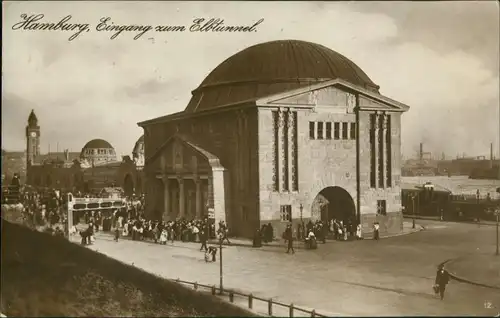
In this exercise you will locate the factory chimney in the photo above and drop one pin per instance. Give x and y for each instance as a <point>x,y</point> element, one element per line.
<point>491,156</point>
<point>421,154</point>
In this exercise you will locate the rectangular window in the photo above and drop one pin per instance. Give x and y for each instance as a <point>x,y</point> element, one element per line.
<point>311,130</point>
<point>345,130</point>
<point>388,151</point>
<point>381,139</point>
<point>336,131</point>
<point>286,213</point>
<point>381,207</point>
<point>352,132</point>
<point>328,130</point>
<point>320,130</point>
<point>373,175</point>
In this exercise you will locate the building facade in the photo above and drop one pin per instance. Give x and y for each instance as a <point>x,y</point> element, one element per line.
<point>93,168</point>
<point>284,131</point>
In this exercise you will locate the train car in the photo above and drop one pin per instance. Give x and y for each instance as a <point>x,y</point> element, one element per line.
<point>424,200</point>
<point>432,200</point>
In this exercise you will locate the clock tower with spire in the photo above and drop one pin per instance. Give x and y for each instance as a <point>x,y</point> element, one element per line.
<point>32,138</point>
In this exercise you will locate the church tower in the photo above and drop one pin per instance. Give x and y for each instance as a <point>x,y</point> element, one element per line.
<point>32,138</point>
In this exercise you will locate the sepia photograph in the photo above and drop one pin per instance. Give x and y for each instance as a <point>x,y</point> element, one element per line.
<point>244,159</point>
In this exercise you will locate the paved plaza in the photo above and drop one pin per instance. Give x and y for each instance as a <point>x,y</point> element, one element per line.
<point>393,276</point>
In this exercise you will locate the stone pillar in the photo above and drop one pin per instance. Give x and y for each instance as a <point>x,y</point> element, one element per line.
<point>376,133</point>
<point>198,199</point>
<point>281,150</point>
<point>382,146</point>
<point>166,198</point>
<point>182,198</point>
<point>219,194</point>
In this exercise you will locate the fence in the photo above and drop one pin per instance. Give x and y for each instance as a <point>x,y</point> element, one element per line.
<point>251,298</point>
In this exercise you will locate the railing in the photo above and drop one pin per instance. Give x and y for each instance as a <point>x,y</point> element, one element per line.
<point>250,297</point>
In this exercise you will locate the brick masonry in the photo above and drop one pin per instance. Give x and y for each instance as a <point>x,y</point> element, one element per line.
<point>242,138</point>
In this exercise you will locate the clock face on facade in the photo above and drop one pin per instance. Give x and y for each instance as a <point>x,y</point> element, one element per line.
<point>33,134</point>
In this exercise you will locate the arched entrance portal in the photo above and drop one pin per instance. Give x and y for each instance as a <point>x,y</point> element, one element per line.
<point>334,203</point>
<point>128,185</point>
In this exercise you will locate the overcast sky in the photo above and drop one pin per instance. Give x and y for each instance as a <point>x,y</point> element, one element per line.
<point>439,58</point>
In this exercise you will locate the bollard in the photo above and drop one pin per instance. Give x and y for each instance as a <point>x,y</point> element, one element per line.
<point>291,310</point>
<point>231,297</point>
<point>250,301</point>
<point>313,313</point>
<point>270,307</point>
<point>213,290</point>
<point>195,285</point>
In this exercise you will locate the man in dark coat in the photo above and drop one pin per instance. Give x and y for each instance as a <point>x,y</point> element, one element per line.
<point>288,236</point>
<point>442,278</point>
<point>204,238</point>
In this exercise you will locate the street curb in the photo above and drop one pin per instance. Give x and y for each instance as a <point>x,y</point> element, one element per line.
<point>421,228</point>
<point>464,280</point>
<point>409,217</point>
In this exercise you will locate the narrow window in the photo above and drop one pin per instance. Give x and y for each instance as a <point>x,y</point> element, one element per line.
<point>311,130</point>
<point>352,133</point>
<point>373,175</point>
<point>345,130</point>
<point>328,130</point>
<point>286,213</point>
<point>336,131</point>
<point>320,130</point>
<point>381,207</point>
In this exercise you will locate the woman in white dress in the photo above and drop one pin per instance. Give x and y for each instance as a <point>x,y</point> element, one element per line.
<point>164,237</point>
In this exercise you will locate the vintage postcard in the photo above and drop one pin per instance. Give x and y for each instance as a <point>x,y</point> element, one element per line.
<point>293,159</point>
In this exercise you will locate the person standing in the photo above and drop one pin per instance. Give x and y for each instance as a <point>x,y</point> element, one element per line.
<point>442,279</point>
<point>204,239</point>
<point>288,236</point>
<point>376,234</point>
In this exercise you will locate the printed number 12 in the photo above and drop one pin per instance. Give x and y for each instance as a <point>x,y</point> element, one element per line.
<point>488,305</point>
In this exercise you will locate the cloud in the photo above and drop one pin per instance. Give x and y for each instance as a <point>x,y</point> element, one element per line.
<point>94,87</point>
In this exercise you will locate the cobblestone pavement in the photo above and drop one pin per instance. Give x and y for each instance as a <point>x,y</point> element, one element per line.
<point>368,278</point>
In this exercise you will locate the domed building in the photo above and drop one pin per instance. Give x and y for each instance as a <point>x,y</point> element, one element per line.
<point>94,168</point>
<point>97,151</point>
<point>283,131</point>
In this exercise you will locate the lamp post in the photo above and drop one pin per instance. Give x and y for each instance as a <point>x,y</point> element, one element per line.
<point>413,210</point>
<point>301,208</point>
<point>221,288</point>
<point>497,213</point>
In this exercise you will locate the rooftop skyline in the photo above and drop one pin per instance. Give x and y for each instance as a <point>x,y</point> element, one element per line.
<point>441,59</point>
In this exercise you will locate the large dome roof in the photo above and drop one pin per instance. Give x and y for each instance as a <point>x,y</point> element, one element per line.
<point>98,151</point>
<point>97,144</point>
<point>271,68</point>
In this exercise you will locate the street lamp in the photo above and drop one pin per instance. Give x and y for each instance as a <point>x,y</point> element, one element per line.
<point>497,213</point>
<point>221,288</point>
<point>301,208</point>
<point>413,210</point>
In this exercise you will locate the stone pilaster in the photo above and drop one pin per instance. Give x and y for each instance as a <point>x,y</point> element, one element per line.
<point>281,150</point>
<point>182,198</point>
<point>291,150</point>
<point>166,198</point>
<point>376,154</point>
<point>198,199</point>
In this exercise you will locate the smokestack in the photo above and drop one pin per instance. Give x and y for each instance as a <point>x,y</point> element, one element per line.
<point>491,156</point>
<point>421,151</point>
<point>66,155</point>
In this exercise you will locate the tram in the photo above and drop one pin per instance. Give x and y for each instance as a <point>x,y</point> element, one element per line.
<point>77,207</point>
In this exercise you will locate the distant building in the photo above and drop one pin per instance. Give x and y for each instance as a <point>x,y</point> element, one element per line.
<point>93,168</point>
<point>284,131</point>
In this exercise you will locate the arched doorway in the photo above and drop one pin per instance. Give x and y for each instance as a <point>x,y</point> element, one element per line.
<point>128,185</point>
<point>334,203</point>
